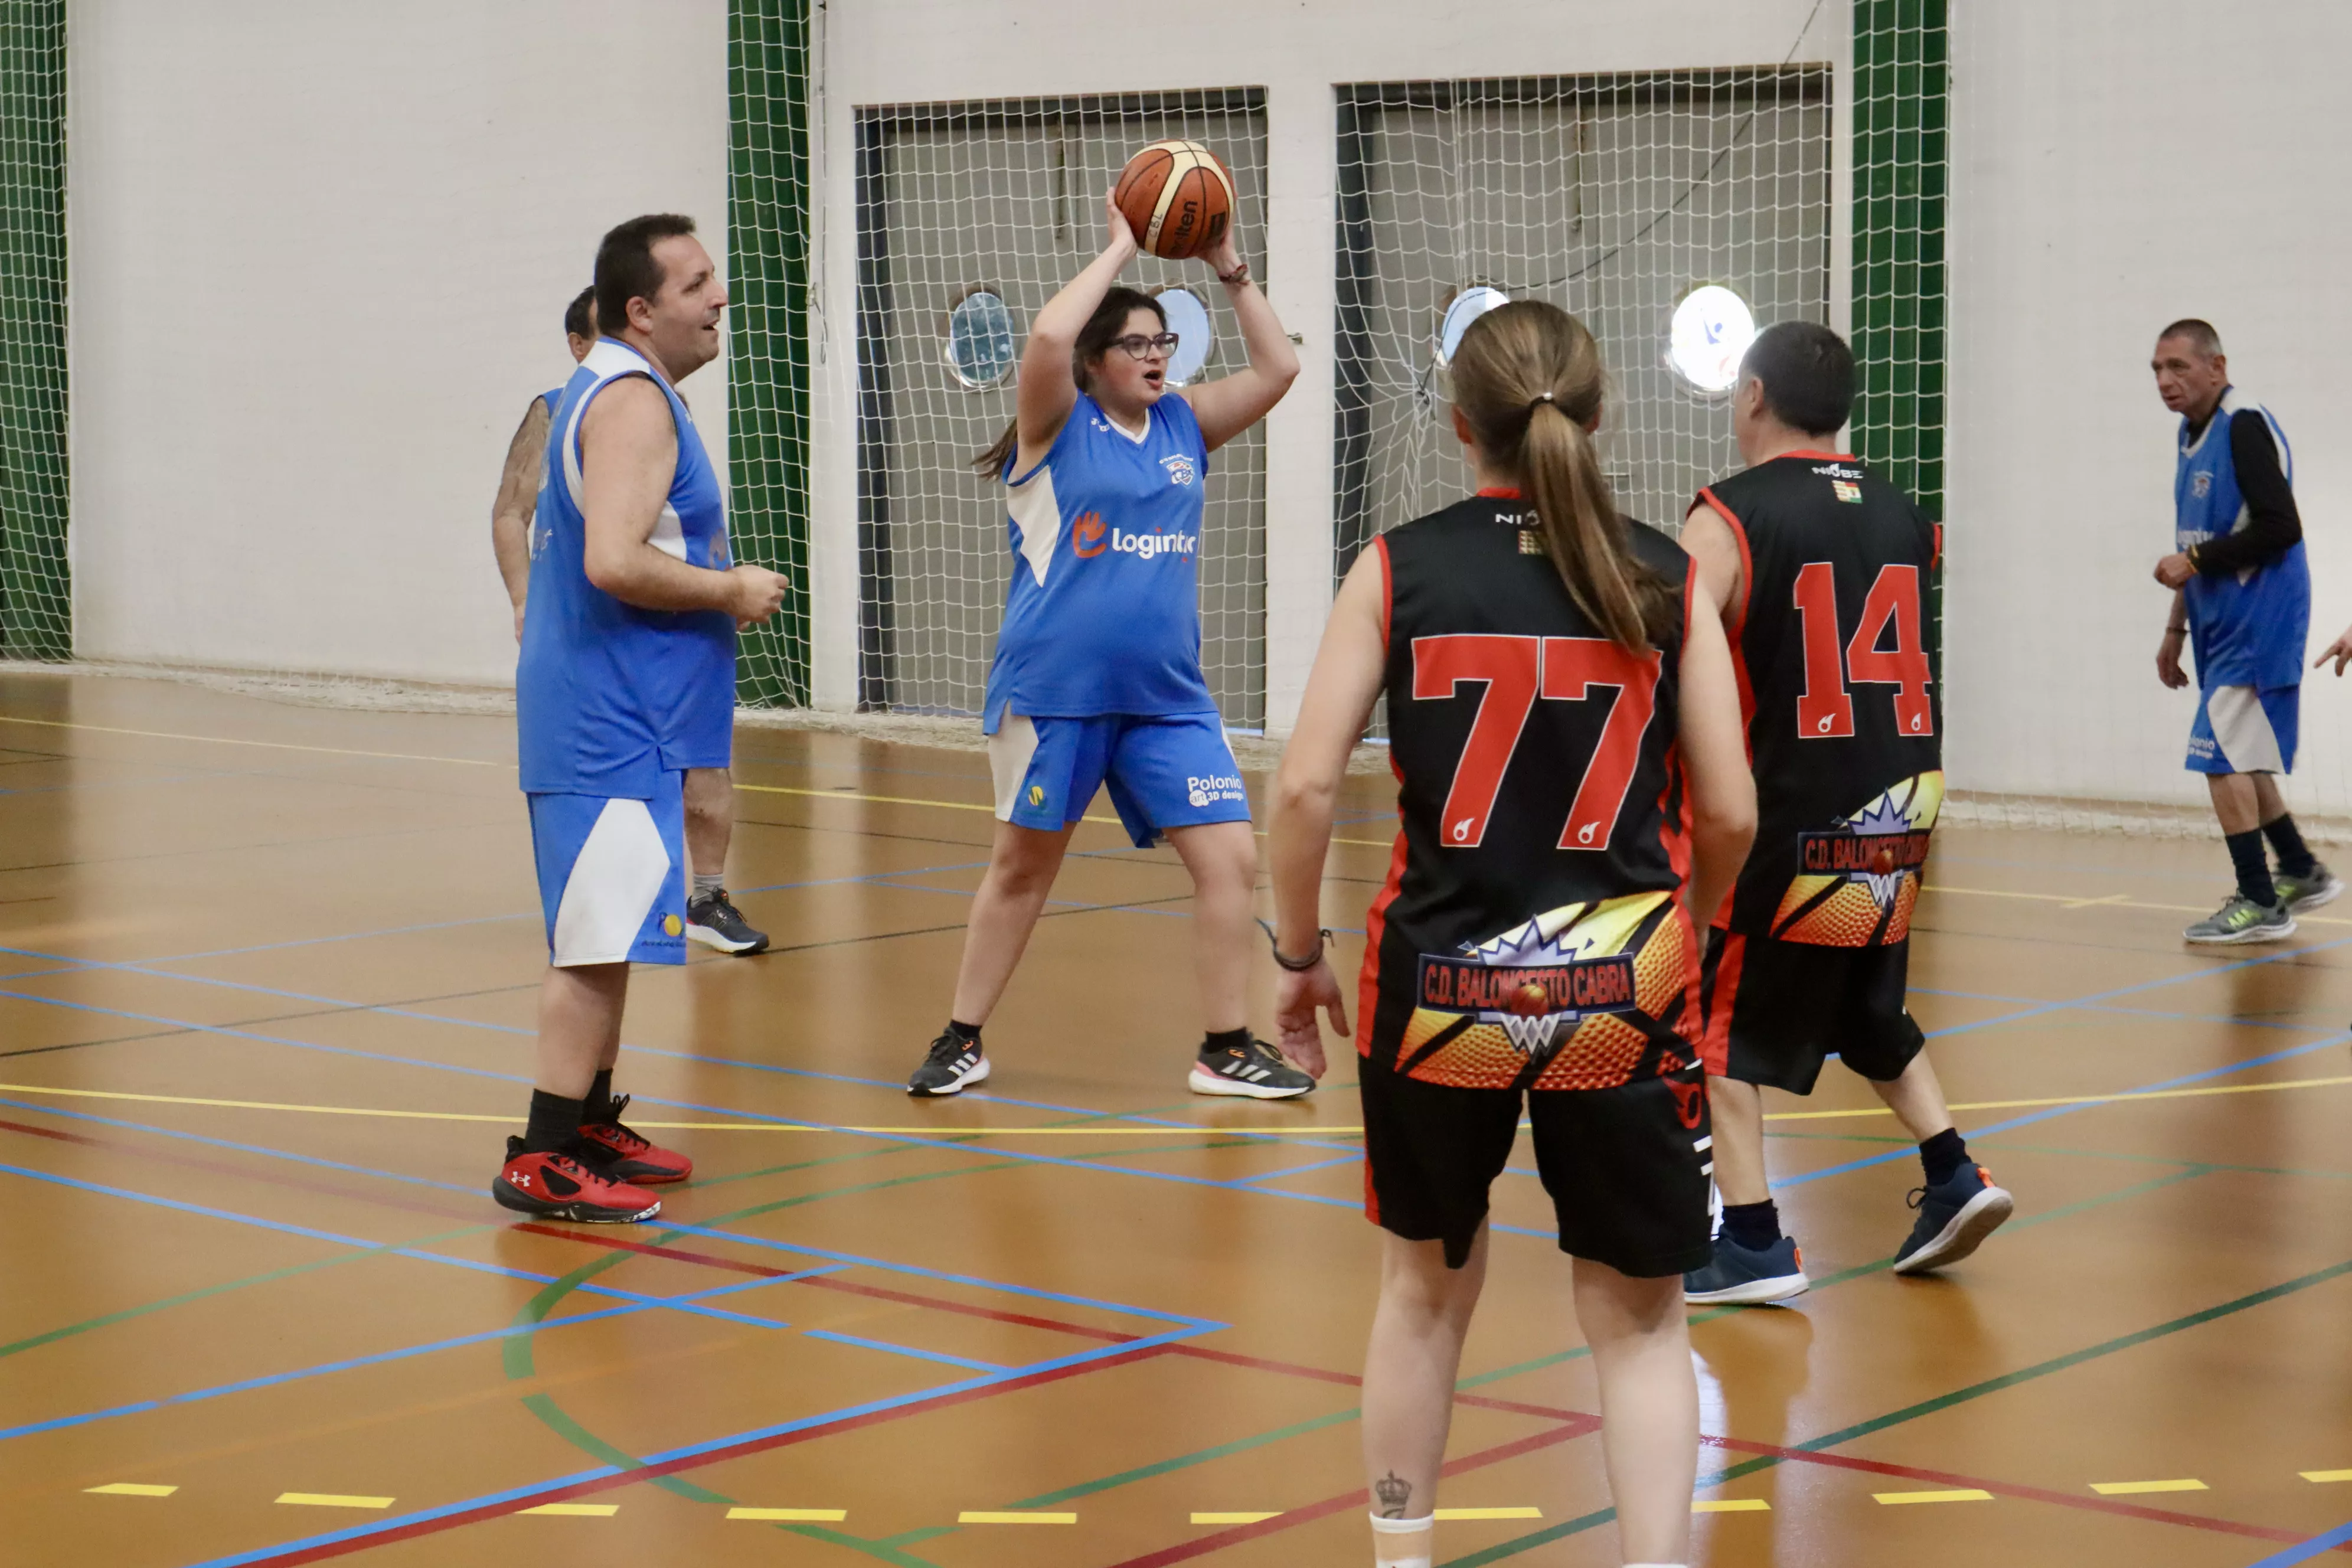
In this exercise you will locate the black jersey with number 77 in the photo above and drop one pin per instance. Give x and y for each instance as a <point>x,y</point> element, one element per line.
<point>1842,714</point>
<point>1531,933</point>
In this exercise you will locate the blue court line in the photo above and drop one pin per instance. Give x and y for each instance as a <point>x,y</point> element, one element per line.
<point>1277,1176</point>
<point>2304,1551</point>
<point>2042,1009</point>
<point>964,1362</point>
<point>301,1374</point>
<point>306,1232</point>
<point>2123,1096</point>
<point>757,1433</point>
<point>262,1149</point>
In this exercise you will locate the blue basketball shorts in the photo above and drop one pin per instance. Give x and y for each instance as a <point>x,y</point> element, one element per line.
<point>2239,730</point>
<point>612,876</point>
<point>1164,770</point>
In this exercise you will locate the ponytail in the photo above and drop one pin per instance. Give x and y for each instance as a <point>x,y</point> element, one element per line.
<point>1528,379</point>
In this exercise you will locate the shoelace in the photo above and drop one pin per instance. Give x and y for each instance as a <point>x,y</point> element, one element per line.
<point>948,1047</point>
<point>631,1141</point>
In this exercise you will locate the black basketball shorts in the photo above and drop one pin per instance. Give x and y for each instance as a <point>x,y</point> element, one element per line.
<point>1627,1167</point>
<point>1773,1011</point>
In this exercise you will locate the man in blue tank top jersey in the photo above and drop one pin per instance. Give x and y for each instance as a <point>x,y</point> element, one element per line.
<point>711,917</point>
<point>2242,591</point>
<point>626,679</point>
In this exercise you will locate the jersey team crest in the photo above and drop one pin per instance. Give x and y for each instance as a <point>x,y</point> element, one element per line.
<point>1860,879</point>
<point>1572,999</point>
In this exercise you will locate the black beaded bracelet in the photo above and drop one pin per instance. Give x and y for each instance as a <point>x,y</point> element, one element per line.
<point>1296,965</point>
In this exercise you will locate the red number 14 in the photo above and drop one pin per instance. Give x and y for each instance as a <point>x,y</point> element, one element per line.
<point>1825,712</point>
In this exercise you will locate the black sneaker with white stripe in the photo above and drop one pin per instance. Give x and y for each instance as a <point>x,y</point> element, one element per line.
<point>953,1064</point>
<point>1254,1071</point>
<point>712,920</point>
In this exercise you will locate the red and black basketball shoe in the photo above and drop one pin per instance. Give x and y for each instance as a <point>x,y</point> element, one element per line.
<point>618,1154</point>
<point>557,1186</point>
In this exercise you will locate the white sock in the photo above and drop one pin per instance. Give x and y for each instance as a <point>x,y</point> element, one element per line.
<point>1403,1542</point>
<point>711,883</point>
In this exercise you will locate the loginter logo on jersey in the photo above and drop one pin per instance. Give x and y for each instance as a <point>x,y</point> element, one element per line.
<point>1214,790</point>
<point>1086,540</point>
<point>1153,545</point>
<point>1180,468</point>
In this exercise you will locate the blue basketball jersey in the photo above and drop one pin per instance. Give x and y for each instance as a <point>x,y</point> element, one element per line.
<point>1104,613</point>
<point>608,697</point>
<point>551,398</point>
<point>2247,628</point>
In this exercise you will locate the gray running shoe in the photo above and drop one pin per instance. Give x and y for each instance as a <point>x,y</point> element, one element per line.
<point>2242,920</point>
<point>2315,887</point>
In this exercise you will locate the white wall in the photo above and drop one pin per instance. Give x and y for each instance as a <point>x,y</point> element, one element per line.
<point>320,250</point>
<point>2117,164</point>
<point>901,51</point>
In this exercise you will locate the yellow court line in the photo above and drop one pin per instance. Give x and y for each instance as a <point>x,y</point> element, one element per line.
<point>1234,1518</point>
<point>269,745</point>
<point>130,1489</point>
<point>2325,1475</point>
<point>577,1510</point>
<point>1731,1505</point>
<point>1458,1513</point>
<point>2135,1488</point>
<point>791,1515</point>
<point>946,1133</point>
<point>1969,1495</point>
<point>332,1500</point>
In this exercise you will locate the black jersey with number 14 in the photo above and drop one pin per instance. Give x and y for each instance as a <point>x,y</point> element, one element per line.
<point>1843,716</point>
<point>1530,935</point>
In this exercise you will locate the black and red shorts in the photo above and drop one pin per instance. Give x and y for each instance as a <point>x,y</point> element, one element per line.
<point>1772,1012</point>
<point>1626,1167</point>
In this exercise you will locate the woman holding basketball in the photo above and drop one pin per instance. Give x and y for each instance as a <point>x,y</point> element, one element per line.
<point>1574,790</point>
<point>1098,672</point>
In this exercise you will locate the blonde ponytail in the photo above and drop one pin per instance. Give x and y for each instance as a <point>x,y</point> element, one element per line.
<point>1528,377</point>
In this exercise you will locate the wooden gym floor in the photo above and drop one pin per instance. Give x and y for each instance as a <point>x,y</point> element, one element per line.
<point>267,977</point>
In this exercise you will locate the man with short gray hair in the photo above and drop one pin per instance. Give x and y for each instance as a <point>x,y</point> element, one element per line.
<point>2242,592</point>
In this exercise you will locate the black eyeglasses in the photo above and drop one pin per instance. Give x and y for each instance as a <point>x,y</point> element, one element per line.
<point>1138,346</point>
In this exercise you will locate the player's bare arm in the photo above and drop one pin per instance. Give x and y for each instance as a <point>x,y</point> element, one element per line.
<point>1715,556</point>
<point>1715,760</point>
<point>628,453</point>
<point>1340,691</point>
<point>1231,405</point>
<point>2168,651</point>
<point>510,513</point>
<point>1049,388</point>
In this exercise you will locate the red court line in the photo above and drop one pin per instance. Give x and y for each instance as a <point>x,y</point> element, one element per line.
<point>1802,1455</point>
<point>319,1553</point>
<point>1292,1518</point>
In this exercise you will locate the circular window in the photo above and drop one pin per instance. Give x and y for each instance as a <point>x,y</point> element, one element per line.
<point>1466,307</point>
<point>980,351</point>
<point>1708,337</point>
<point>1188,318</point>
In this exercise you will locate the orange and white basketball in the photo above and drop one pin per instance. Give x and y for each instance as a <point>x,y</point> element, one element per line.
<point>1177,197</point>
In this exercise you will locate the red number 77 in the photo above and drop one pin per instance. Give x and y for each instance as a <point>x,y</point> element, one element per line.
<point>1514,671</point>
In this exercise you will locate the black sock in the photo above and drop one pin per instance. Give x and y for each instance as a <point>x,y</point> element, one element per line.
<point>598,1106</point>
<point>2254,867</point>
<point>554,1125</point>
<point>1226,1040</point>
<point>967,1033</point>
<point>2294,857</point>
<point>1943,1155</point>
<point>1755,1227</point>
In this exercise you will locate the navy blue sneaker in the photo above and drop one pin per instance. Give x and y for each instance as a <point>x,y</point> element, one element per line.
<point>1739,1277</point>
<point>1954,1219</point>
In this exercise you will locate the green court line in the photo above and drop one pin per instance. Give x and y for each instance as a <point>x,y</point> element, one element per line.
<point>123,1315</point>
<point>1931,1407</point>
